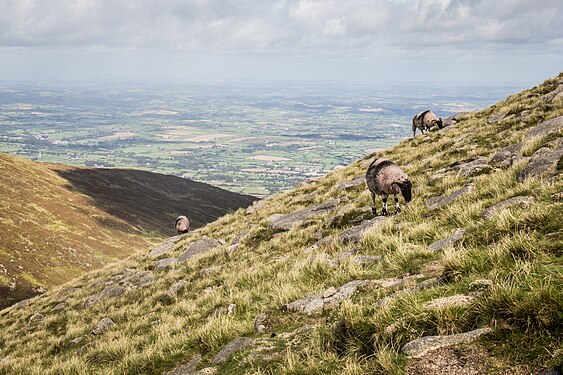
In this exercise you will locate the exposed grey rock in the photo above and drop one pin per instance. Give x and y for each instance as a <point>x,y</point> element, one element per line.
<point>320,243</point>
<point>129,271</point>
<point>349,185</point>
<point>208,271</point>
<point>552,126</point>
<point>448,241</point>
<point>554,95</point>
<point>207,371</point>
<point>102,326</point>
<point>20,304</point>
<point>506,153</point>
<point>162,249</point>
<point>240,237</point>
<point>285,222</point>
<point>262,323</point>
<point>366,259</point>
<point>350,215</point>
<point>451,301</point>
<point>551,371</point>
<point>37,317</point>
<point>496,118</point>
<point>109,292</point>
<point>417,348</point>
<point>67,291</point>
<point>139,279</point>
<point>473,168</point>
<point>77,340</point>
<point>164,264</point>
<point>524,200</point>
<point>437,202</point>
<point>225,354</point>
<point>59,306</point>
<point>452,120</point>
<point>481,285</point>
<point>356,233</point>
<point>542,164</point>
<point>188,368</point>
<point>423,285</point>
<point>176,288</point>
<point>200,246</point>
<point>331,298</point>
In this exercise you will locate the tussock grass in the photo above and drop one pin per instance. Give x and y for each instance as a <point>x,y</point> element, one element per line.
<point>518,249</point>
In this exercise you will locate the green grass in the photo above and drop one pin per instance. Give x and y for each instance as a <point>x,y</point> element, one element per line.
<point>518,250</point>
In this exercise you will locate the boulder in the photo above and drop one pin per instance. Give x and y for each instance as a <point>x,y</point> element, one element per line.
<point>162,249</point>
<point>350,185</point>
<point>256,206</point>
<point>542,164</point>
<point>164,264</point>
<point>448,241</point>
<point>474,168</point>
<point>366,259</point>
<point>497,117</point>
<point>110,292</point>
<point>329,299</point>
<point>417,348</point>
<point>506,153</point>
<point>514,201</point>
<point>545,128</point>
<point>554,95</point>
<point>102,326</point>
<point>423,285</point>
<point>443,200</point>
<point>225,354</point>
<point>356,233</point>
<point>200,246</point>
<point>37,317</point>
<point>139,279</point>
<point>188,368</point>
<point>285,222</point>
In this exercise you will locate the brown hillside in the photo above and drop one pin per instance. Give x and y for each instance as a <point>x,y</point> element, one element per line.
<point>59,221</point>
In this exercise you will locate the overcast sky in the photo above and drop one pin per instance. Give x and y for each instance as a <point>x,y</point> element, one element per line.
<point>496,41</point>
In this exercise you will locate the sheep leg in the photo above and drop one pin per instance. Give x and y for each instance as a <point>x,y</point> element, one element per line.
<point>373,209</point>
<point>384,209</point>
<point>397,208</point>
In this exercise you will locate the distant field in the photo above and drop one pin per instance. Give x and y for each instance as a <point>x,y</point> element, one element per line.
<point>254,140</point>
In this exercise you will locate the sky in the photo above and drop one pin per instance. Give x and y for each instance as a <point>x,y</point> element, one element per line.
<point>462,41</point>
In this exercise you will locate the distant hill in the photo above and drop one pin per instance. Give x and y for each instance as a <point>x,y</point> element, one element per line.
<point>467,279</point>
<point>58,221</point>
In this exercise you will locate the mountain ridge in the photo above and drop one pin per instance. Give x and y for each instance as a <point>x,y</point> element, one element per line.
<point>465,280</point>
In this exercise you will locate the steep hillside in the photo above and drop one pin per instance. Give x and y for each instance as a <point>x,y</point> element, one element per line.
<point>59,221</point>
<point>466,280</point>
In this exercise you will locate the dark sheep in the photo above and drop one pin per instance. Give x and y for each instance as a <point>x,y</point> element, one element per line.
<point>425,121</point>
<point>384,178</point>
<point>182,224</point>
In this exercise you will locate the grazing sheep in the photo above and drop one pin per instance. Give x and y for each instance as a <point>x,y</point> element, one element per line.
<point>384,177</point>
<point>182,224</point>
<point>425,121</point>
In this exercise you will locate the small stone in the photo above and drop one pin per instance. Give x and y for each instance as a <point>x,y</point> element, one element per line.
<point>166,263</point>
<point>225,354</point>
<point>367,259</point>
<point>102,326</point>
<point>456,236</point>
<point>417,348</point>
<point>231,309</point>
<point>164,248</point>
<point>208,271</point>
<point>200,246</point>
<point>452,301</point>
<point>59,306</point>
<point>481,285</point>
<point>514,201</point>
<point>77,340</point>
<point>262,323</point>
<point>175,288</point>
<point>36,317</point>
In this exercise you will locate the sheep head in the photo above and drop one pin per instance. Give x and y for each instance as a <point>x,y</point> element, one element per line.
<point>406,190</point>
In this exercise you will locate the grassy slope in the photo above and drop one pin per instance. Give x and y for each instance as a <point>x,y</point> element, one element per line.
<point>59,221</point>
<point>518,249</point>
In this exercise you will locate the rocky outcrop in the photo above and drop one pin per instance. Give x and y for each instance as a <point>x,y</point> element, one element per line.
<point>188,368</point>
<point>505,154</point>
<point>356,233</point>
<point>423,345</point>
<point>457,300</point>
<point>514,201</point>
<point>443,200</point>
<point>285,222</point>
<point>423,285</point>
<point>231,348</point>
<point>139,279</point>
<point>175,288</point>
<point>497,117</point>
<point>448,241</point>
<point>162,249</point>
<point>545,128</point>
<point>200,246</point>
<point>102,326</point>
<point>263,323</point>
<point>474,168</point>
<point>542,164</point>
<point>349,185</point>
<point>164,264</point>
<point>110,292</point>
<point>331,298</point>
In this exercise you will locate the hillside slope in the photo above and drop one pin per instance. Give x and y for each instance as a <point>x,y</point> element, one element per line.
<point>58,221</point>
<point>306,282</point>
